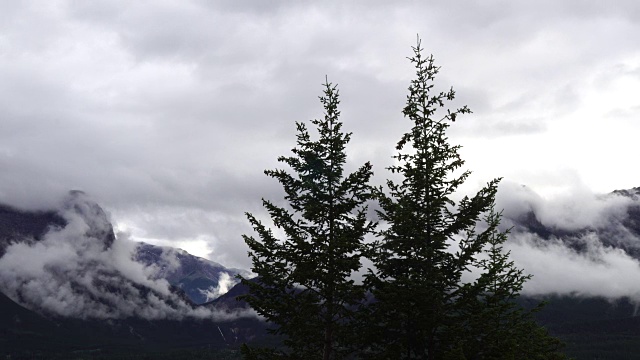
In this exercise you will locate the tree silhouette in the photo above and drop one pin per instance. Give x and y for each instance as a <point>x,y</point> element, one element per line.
<point>424,308</point>
<point>305,287</point>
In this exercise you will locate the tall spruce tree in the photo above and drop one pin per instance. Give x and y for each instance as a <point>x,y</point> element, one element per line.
<point>304,286</point>
<point>423,304</point>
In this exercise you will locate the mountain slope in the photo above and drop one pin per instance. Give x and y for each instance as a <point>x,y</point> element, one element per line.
<point>73,254</point>
<point>72,267</point>
<point>202,280</point>
<point>81,289</point>
<point>18,226</point>
<point>596,242</point>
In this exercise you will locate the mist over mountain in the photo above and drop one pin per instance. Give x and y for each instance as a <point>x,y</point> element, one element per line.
<point>63,271</point>
<point>577,243</point>
<point>67,262</point>
<point>202,280</point>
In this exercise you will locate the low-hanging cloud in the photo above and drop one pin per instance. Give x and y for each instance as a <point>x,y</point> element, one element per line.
<point>596,270</point>
<point>74,272</point>
<point>579,243</point>
<point>575,209</point>
<point>225,282</point>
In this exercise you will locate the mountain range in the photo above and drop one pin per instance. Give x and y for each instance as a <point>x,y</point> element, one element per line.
<point>68,286</point>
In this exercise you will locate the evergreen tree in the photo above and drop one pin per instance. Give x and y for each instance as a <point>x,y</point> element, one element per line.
<point>496,326</point>
<point>422,303</point>
<point>304,286</point>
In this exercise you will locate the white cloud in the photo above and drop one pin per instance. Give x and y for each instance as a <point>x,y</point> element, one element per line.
<point>597,270</point>
<point>573,209</point>
<point>588,246</point>
<point>225,282</point>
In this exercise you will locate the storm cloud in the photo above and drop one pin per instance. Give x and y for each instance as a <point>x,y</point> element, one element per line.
<point>167,112</point>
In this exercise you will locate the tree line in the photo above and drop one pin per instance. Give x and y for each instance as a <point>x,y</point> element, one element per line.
<point>440,285</point>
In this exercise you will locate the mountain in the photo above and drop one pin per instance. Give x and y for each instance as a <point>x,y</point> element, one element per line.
<point>593,327</point>
<point>67,284</point>
<point>21,226</point>
<point>24,226</point>
<point>202,280</point>
<point>618,227</point>
<point>72,267</point>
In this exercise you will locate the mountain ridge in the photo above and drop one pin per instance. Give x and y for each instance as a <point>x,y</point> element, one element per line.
<point>74,247</point>
<point>583,321</point>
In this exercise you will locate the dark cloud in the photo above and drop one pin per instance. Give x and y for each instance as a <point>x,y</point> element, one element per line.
<point>167,112</point>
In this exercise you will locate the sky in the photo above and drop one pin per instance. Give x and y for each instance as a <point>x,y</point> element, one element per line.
<point>167,112</point>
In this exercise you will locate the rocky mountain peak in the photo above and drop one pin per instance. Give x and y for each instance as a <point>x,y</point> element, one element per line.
<point>77,203</point>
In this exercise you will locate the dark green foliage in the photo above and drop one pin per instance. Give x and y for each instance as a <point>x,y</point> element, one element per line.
<point>424,308</point>
<point>304,285</point>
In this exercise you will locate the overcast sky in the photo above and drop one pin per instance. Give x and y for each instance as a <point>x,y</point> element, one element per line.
<point>167,112</point>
